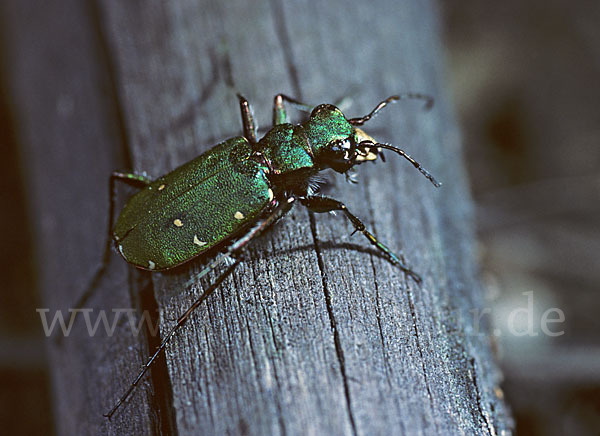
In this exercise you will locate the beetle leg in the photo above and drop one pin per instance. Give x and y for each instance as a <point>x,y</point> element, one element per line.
<point>247,120</point>
<point>321,204</point>
<point>180,321</point>
<point>234,251</point>
<point>136,180</point>
<point>279,112</point>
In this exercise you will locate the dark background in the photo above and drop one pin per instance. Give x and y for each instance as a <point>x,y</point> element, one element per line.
<point>524,76</point>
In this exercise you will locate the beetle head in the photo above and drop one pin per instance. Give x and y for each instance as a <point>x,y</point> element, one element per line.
<point>335,142</point>
<point>341,154</point>
<point>339,144</point>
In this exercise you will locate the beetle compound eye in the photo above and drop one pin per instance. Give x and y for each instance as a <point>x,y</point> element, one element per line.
<point>342,149</point>
<point>346,144</point>
<point>340,154</point>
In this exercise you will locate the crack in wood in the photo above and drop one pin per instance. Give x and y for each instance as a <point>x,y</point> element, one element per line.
<point>162,400</point>
<point>336,335</point>
<point>484,416</point>
<point>413,314</point>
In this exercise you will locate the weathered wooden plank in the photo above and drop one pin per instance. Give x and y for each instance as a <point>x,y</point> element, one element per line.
<point>310,335</point>
<point>327,339</point>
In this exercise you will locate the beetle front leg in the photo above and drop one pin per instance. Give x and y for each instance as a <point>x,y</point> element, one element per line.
<point>321,204</point>
<point>247,120</point>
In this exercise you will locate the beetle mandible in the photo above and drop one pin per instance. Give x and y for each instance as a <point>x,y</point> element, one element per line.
<point>174,218</point>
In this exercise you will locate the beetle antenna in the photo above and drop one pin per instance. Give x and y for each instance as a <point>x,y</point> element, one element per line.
<point>394,98</point>
<point>416,164</point>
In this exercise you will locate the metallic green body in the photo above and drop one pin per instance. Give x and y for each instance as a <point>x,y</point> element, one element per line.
<point>194,207</point>
<point>286,148</point>
<point>225,190</point>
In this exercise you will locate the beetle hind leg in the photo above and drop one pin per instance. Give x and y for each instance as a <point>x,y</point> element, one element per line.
<point>135,180</point>
<point>234,251</point>
<point>180,321</point>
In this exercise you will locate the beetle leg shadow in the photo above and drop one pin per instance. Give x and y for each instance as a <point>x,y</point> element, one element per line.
<point>330,245</point>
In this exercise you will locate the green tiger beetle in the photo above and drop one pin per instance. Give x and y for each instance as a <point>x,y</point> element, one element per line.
<point>238,189</point>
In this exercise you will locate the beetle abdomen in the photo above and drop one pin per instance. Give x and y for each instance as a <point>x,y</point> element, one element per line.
<point>194,207</point>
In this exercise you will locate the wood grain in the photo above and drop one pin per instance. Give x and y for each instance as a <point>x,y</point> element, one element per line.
<point>315,333</point>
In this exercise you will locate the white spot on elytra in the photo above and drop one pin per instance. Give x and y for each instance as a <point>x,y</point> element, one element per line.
<point>151,264</point>
<point>178,222</point>
<point>270,194</point>
<point>198,242</point>
<point>238,215</point>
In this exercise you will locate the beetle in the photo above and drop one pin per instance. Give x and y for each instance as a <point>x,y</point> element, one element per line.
<point>234,192</point>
